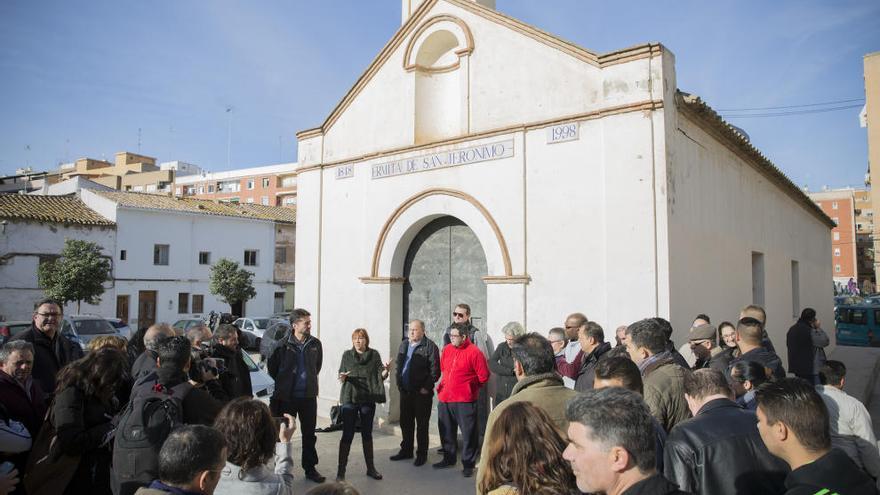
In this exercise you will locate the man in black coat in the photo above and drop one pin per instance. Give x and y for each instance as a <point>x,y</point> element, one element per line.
<point>236,380</point>
<point>52,351</point>
<point>800,347</point>
<point>417,370</point>
<point>294,364</point>
<point>719,450</point>
<point>593,349</point>
<point>146,361</point>
<point>748,339</point>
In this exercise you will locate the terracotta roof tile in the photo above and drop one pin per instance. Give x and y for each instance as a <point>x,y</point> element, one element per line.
<point>54,209</point>
<point>204,206</point>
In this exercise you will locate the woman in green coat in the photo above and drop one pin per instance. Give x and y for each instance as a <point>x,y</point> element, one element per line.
<point>361,373</point>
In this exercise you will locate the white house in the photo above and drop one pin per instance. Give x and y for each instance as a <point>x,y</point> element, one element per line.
<point>33,229</point>
<point>165,247</point>
<point>481,160</point>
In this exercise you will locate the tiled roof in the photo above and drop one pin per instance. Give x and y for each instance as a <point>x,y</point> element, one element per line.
<point>696,108</point>
<point>204,206</point>
<point>54,209</point>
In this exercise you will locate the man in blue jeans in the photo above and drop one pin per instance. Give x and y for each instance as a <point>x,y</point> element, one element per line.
<point>294,365</point>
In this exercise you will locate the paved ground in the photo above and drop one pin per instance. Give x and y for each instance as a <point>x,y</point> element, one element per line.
<point>400,477</point>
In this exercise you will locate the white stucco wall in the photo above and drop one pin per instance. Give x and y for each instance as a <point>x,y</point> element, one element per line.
<point>720,211</point>
<point>23,242</point>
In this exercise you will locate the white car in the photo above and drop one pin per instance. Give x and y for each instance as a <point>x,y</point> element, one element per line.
<point>262,385</point>
<point>252,330</point>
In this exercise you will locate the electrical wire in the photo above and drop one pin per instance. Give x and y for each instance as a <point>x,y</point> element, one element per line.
<point>794,112</point>
<point>791,106</point>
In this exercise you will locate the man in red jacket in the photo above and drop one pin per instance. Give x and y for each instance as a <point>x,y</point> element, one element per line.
<point>464,371</point>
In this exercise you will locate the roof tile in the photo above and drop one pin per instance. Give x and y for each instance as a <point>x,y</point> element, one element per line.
<point>203,206</point>
<point>54,209</point>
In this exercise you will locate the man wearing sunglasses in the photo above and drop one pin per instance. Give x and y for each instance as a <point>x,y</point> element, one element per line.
<point>52,351</point>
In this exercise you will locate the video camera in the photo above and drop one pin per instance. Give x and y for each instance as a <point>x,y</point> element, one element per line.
<point>203,363</point>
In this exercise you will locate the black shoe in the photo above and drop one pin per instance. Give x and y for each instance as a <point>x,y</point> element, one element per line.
<point>441,451</point>
<point>372,473</point>
<point>401,456</point>
<point>468,472</point>
<point>445,463</point>
<point>315,476</point>
<point>421,459</point>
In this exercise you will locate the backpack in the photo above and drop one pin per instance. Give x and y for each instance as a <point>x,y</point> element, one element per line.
<point>150,416</point>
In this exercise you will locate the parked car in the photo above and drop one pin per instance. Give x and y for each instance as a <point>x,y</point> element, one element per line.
<point>181,326</point>
<point>10,328</point>
<point>278,330</point>
<point>252,330</point>
<point>858,325</point>
<point>121,326</point>
<point>262,385</point>
<point>81,329</point>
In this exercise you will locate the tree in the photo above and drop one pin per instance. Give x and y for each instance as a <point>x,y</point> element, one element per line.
<point>232,283</point>
<point>78,274</point>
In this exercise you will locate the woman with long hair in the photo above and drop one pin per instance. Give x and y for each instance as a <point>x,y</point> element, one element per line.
<point>726,335</point>
<point>85,403</point>
<point>361,373</point>
<point>745,377</point>
<point>252,438</point>
<point>525,455</point>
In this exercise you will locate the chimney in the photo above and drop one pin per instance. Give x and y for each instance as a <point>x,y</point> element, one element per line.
<point>410,6</point>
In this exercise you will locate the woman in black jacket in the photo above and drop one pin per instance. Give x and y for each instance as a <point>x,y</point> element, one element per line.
<point>84,406</point>
<point>361,373</point>
<point>501,363</point>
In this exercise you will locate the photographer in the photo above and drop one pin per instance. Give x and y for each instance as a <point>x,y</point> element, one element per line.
<point>204,370</point>
<point>236,380</point>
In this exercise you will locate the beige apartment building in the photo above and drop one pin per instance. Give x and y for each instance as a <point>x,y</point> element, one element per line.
<point>271,185</point>
<point>129,172</point>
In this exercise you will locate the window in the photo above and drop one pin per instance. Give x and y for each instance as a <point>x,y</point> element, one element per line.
<point>250,257</point>
<point>177,191</point>
<point>281,255</point>
<point>198,303</point>
<point>836,268</point>
<point>204,258</point>
<point>210,188</point>
<point>290,201</point>
<point>160,254</point>
<point>122,255</point>
<point>201,189</point>
<point>837,234</point>
<point>264,201</point>
<point>137,188</point>
<point>265,182</point>
<point>836,251</point>
<point>250,183</point>
<point>758,278</point>
<point>836,220</point>
<point>151,187</point>
<point>834,205</point>
<point>183,302</point>
<point>288,182</point>
<point>250,200</point>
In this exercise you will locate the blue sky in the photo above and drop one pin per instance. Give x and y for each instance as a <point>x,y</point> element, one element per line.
<point>80,78</point>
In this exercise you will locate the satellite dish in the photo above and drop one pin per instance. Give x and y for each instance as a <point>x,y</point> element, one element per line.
<point>741,132</point>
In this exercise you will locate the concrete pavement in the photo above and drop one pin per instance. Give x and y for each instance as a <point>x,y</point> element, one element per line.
<point>400,477</point>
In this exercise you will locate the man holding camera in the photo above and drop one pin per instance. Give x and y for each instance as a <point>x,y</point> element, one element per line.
<point>236,380</point>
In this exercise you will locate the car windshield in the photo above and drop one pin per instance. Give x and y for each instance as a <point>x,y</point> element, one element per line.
<point>261,322</point>
<point>93,327</point>
<point>117,324</point>
<point>16,329</point>
<point>252,366</point>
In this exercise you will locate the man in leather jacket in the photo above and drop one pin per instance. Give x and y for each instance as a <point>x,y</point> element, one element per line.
<point>719,450</point>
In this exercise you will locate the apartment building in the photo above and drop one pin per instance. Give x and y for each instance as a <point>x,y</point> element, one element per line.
<point>840,206</point>
<point>272,185</point>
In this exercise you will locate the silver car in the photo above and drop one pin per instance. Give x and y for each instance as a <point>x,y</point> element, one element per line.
<point>81,329</point>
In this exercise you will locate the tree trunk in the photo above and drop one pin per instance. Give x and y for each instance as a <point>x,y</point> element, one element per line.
<point>77,306</point>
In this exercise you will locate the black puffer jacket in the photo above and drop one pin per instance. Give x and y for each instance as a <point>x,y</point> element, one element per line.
<point>424,368</point>
<point>50,355</point>
<point>282,366</point>
<point>799,341</point>
<point>719,451</point>
<point>587,374</point>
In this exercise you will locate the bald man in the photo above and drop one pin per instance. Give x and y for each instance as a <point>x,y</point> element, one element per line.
<point>146,362</point>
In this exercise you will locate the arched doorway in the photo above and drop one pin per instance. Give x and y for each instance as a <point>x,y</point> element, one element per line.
<point>444,266</point>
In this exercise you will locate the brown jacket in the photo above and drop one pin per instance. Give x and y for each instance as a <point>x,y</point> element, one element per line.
<point>664,392</point>
<point>545,391</point>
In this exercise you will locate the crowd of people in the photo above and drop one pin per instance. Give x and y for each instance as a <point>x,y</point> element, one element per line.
<point>572,411</point>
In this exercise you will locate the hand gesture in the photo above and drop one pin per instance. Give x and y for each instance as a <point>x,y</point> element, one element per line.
<point>8,481</point>
<point>285,431</point>
<point>343,375</point>
<point>387,365</point>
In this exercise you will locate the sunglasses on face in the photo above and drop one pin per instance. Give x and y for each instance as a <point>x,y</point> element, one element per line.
<point>460,315</point>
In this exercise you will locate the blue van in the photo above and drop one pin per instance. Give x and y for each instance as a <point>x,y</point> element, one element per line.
<point>858,324</point>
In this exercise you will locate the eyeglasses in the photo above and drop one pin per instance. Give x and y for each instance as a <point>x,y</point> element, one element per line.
<point>460,315</point>
<point>555,341</point>
<point>452,336</point>
<point>50,315</point>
